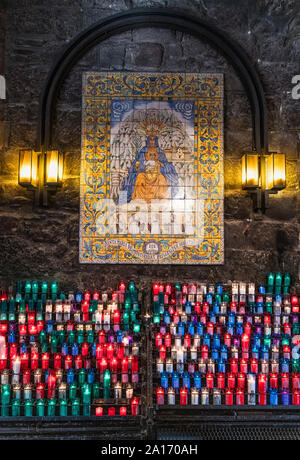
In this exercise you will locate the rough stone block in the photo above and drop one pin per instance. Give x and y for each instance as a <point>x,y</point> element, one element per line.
<point>144,55</point>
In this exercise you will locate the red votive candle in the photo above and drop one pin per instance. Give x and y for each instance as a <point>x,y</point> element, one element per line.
<point>296,398</point>
<point>234,366</point>
<point>262,399</point>
<point>120,350</point>
<point>183,396</point>
<point>134,364</point>
<point>245,342</point>
<point>45,361</point>
<point>241,381</point>
<point>160,396</point>
<point>187,341</point>
<point>124,365</point>
<point>26,377</point>
<point>57,361</point>
<point>135,406</point>
<point>24,361</point>
<point>68,362</point>
<point>285,380</point>
<point>221,381</point>
<point>240,397</point>
<point>227,339</point>
<point>85,349</point>
<point>110,351</point>
<point>101,337</point>
<point>123,411</point>
<point>111,411</point>
<point>99,411</point>
<point>209,380</point>
<point>116,317</point>
<point>40,391</point>
<point>113,365</point>
<point>244,366</point>
<point>231,381</point>
<point>34,360</point>
<point>273,380</point>
<point>262,383</point>
<point>78,362</point>
<point>254,366</point>
<point>228,397</point>
<point>296,381</point>
<point>158,339</point>
<point>204,352</point>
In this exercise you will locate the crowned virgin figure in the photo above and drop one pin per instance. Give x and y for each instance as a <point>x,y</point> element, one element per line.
<point>151,176</point>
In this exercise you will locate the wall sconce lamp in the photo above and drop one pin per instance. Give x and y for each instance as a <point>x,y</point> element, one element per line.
<point>54,163</point>
<point>28,169</point>
<point>41,172</point>
<point>263,175</point>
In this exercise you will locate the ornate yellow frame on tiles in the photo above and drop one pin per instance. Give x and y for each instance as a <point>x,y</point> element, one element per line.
<point>196,98</point>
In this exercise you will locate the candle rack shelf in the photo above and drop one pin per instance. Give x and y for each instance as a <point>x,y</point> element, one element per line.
<point>180,341</point>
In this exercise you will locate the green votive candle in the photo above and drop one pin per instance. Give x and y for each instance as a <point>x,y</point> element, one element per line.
<point>132,316</point>
<point>54,288</point>
<point>126,318</point>
<point>43,337</point>
<point>5,395</point>
<point>72,391</point>
<point>75,410</point>
<point>28,409</point>
<point>63,408</point>
<point>267,340</point>
<point>269,307</point>
<point>51,407</point>
<point>71,337</point>
<point>127,304</point>
<point>156,308</point>
<point>16,408</point>
<point>90,337</point>
<point>296,329</point>
<point>27,287</point>
<point>106,384</point>
<point>44,287</point>
<point>285,339</point>
<point>295,365</point>
<point>131,286</point>
<point>86,410</point>
<point>40,408</point>
<point>271,279</point>
<point>61,337</point>
<point>81,376</point>
<point>136,307</point>
<point>86,394</point>
<point>53,343</point>
<point>136,326</point>
<point>5,410</point>
<point>96,390</point>
<point>287,279</point>
<point>226,298</point>
<point>80,337</point>
<point>156,319</point>
<point>278,279</point>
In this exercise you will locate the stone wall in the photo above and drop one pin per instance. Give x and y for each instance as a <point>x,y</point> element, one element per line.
<point>43,243</point>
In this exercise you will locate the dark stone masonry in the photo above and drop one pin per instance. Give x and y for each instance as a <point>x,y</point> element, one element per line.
<point>43,243</point>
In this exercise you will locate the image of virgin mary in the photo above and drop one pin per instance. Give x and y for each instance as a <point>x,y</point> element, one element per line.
<point>151,176</point>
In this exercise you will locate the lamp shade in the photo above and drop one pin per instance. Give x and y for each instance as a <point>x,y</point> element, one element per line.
<point>250,171</point>
<point>53,168</point>
<point>28,168</point>
<point>275,171</point>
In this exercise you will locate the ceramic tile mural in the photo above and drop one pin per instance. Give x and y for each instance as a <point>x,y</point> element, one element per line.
<point>152,169</point>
